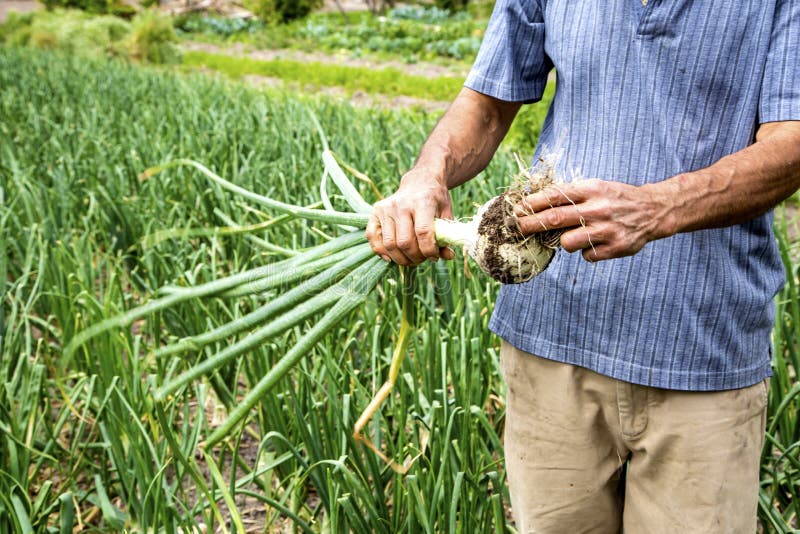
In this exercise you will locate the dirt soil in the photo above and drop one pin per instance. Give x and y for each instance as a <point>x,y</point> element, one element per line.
<point>345,5</point>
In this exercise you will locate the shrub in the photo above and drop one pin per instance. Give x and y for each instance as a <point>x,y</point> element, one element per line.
<point>150,38</point>
<point>70,30</point>
<point>283,10</point>
<point>16,29</point>
<point>92,6</point>
<point>153,39</point>
<point>224,27</point>
<point>451,5</point>
<point>99,7</point>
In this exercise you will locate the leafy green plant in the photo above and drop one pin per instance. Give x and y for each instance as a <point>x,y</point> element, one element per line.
<point>118,8</point>
<point>149,38</point>
<point>451,5</point>
<point>427,14</point>
<point>152,39</point>
<point>75,32</point>
<point>222,26</point>
<point>91,6</point>
<point>412,33</point>
<point>16,29</point>
<point>283,11</point>
<point>780,459</point>
<point>454,37</point>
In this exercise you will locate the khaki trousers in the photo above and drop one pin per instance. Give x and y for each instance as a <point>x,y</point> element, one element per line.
<point>692,457</point>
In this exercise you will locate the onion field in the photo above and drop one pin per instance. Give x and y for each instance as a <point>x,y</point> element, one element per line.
<point>84,445</point>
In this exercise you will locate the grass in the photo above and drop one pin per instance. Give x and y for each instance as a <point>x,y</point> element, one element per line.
<point>387,81</point>
<point>149,40</point>
<point>85,442</point>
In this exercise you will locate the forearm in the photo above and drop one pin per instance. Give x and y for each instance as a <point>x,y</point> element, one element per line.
<point>466,138</point>
<point>738,187</point>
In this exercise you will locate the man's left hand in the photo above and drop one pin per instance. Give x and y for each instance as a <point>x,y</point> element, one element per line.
<point>602,219</point>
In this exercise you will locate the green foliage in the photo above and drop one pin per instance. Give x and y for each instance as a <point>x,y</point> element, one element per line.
<point>91,6</point>
<point>222,26</point>
<point>458,37</point>
<point>153,39</point>
<point>69,30</point>
<point>451,5</point>
<point>480,9</point>
<point>387,81</point>
<point>16,29</point>
<point>779,498</point>
<point>74,135</point>
<point>427,15</point>
<point>117,8</point>
<point>412,32</point>
<point>283,11</point>
<point>149,38</point>
<point>525,129</point>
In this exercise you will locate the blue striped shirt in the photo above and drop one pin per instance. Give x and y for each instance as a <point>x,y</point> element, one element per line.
<point>645,92</point>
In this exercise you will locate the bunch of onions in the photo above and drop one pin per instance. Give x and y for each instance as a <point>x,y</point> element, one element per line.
<point>331,279</point>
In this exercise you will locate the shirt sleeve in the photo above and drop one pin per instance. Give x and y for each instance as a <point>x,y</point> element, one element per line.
<point>511,63</point>
<point>780,90</point>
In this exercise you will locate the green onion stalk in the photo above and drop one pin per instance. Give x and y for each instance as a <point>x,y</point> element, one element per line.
<point>328,282</point>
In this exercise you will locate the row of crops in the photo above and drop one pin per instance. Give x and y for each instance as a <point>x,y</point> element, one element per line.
<point>411,33</point>
<point>82,237</point>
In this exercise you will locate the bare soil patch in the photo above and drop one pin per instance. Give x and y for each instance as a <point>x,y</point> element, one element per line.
<point>343,5</point>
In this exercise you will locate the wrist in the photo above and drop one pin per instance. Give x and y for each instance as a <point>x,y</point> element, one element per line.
<point>424,175</point>
<point>664,197</point>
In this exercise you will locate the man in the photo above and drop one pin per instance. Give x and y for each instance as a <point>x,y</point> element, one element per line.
<point>653,343</point>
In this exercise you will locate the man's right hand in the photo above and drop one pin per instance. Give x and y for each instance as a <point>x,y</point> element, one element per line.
<point>460,146</point>
<point>400,228</point>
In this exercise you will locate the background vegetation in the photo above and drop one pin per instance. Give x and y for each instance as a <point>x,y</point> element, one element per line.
<point>149,37</point>
<point>412,33</point>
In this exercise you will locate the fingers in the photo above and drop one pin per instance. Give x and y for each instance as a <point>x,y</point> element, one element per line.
<point>447,253</point>
<point>407,242</point>
<point>425,237</point>
<point>578,239</point>
<point>602,219</point>
<point>392,235</point>
<point>374,235</point>
<point>401,227</point>
<point>559,195</point>
<point>598,243</point>
<point>391,239</point>
<point>550,219</point>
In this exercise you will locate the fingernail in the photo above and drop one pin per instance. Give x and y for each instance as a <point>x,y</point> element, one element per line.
<point>387,259</point>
